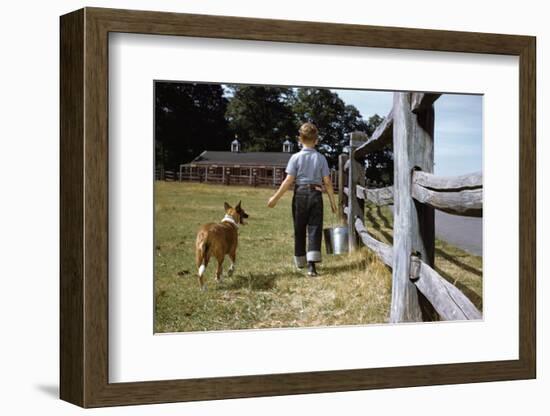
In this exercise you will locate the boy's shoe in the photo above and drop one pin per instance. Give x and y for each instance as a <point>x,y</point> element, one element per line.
<point>311,271</point>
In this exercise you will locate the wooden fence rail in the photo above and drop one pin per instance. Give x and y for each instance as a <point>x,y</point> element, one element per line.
<point>460,195</point>
<point>377,196</point>
<point>380,196</point>
<point>415,194</point>
<point>228,179</point>
<point>381,137</point>
<point>165,175</point>
<point>448,183</point>
<point>383,250</point>
<point>467,203</point>
<point>449,302</point>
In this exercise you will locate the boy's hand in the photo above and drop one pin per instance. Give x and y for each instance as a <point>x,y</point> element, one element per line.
<point>333,208</point>
<point>272,202</point>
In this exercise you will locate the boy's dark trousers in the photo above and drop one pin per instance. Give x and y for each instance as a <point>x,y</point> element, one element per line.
<point>307,213</point>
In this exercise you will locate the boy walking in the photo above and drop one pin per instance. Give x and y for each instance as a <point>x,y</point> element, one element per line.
<point>308,171</point>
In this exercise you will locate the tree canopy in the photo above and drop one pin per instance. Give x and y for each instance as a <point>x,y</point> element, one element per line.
<point>379,164</point>
<point>189,118</point>
<point>193,117</point>
<point>334,119</point>
<point>261,117</point>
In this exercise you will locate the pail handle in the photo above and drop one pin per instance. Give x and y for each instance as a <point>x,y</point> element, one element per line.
<point>333,219</point>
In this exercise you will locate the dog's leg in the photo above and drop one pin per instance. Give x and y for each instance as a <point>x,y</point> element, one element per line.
<point>219,270</point>
<point>231,270</point>
<point>202,257</point>
<point>202,268</point>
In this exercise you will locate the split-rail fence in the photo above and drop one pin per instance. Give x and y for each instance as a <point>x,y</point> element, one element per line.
<point>415,194</point>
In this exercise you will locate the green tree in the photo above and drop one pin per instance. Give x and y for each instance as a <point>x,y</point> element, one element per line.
<point>372,123</point>
<point>189,118</point>
<point>379,164</point>
<point>261,116</point>
<point>193,117</point>
<point>334,119</point>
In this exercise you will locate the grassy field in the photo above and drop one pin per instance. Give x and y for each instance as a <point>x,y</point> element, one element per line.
<point>266,290</point>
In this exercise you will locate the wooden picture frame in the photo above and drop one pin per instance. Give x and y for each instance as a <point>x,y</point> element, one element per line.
<point>84,207</point>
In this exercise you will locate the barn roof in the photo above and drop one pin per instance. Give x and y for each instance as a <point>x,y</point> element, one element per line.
<point>242,159</point>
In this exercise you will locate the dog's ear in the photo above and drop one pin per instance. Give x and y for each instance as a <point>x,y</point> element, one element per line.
<point>226,206</point>
<point>238,207</point>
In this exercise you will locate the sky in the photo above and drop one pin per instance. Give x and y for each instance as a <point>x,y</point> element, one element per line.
<point>458,137</point>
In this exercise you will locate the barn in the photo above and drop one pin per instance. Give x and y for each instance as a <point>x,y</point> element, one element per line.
<point>236,167</point>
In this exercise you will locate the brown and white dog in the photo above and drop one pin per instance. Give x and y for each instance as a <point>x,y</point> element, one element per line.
<point>218,240</point>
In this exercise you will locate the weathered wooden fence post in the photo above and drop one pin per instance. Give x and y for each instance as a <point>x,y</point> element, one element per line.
<point>423,158</point>
<point>413,222</point>
<point>342,159</point>
<point>356,176</point>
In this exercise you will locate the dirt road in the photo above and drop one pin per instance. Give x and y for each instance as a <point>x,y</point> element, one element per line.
<point>463,232</point>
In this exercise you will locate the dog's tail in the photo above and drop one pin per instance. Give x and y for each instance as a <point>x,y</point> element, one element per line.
<point>202,256</point>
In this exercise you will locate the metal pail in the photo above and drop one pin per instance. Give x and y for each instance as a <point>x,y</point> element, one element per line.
<point>336,240</point>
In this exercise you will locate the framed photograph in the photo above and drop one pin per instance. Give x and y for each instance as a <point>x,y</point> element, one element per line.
<point>255,207</point>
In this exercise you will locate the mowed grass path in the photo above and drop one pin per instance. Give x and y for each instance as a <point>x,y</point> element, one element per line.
<point>266,291</point>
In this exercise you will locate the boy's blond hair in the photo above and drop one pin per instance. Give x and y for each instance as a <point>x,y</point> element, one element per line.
<point>308,133</point>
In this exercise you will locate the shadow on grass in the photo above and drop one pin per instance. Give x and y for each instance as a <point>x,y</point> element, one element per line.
<point>268,281</point>
<point>376,225</point>
<point>463,266</point>
<point>371,219</point>
<point>383,218</point>
<point>343,267</point>
<point>265,281</point>
<point>473,296</point>
<point>458,263</point>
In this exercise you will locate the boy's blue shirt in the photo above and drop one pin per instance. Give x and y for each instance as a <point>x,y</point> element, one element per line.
<point>308,166</point>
